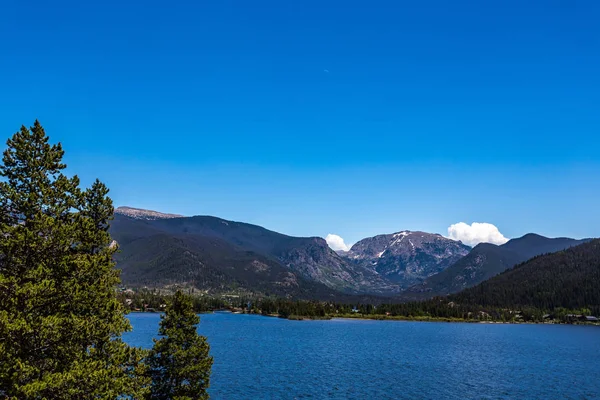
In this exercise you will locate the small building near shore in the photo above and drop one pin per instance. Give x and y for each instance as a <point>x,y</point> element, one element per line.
<point>582,318</point>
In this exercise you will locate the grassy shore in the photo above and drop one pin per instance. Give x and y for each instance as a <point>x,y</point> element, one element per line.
<point>428,319</point>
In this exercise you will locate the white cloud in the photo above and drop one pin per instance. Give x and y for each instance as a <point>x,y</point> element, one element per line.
<point>477,232</point>
<point>336,242</point>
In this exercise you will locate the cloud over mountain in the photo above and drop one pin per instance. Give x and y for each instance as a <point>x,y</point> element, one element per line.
<point>336,242</point>
<point>477,232</point>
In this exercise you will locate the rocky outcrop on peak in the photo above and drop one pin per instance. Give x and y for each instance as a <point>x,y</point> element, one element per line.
<point>139,213</point>
<point>406,258</point>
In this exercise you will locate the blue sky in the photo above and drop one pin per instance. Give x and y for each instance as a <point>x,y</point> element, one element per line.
<point>311,117</point>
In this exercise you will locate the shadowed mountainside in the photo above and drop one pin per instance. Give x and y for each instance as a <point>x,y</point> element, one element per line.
<point>569,278</point>
<point>215,254</point>
<point>487,260</point>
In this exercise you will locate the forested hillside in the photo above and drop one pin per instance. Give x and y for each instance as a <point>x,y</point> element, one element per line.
<point>487,260</point>
<point>566,279</point>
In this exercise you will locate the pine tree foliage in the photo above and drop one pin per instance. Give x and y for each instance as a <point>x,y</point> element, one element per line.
<point>60,320</point>
<point>179,362</point>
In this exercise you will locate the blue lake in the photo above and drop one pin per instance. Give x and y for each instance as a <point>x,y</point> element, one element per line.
<point>269,358</point>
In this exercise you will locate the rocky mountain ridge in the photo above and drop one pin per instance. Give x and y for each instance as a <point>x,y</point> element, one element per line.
<point>406,257</point>
<point>139,213</point>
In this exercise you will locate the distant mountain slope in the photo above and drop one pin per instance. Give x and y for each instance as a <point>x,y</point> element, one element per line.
<point>487,260</point>
<point>218,255</point>
<point>139,213</point>
<point>153,258</point>
<point>406,257</point>
<point>168,250</point>
<point>568,279</point>
<point>531,245</point>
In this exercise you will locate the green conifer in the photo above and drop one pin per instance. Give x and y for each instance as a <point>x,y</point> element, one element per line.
<point>60,321</point>
<point>179,362</point>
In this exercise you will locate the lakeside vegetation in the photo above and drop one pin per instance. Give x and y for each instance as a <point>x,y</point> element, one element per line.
<point>438,309</point>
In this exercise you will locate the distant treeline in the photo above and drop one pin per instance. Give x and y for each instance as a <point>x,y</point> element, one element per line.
<point>438,308</point>
<point>434,309</point>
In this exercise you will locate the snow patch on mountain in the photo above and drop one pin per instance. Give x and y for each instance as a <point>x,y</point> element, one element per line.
<point>406,256</point>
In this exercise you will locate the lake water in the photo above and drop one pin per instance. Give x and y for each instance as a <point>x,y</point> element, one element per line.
<point>270,358</point>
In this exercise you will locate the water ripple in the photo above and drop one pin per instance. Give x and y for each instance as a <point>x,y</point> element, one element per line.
<point>269,358</point>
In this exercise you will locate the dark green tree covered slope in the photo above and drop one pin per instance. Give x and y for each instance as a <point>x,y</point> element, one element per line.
<point>568,279</point>
<point>487,260</point>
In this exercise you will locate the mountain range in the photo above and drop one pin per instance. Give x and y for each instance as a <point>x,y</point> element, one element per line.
<point>220,256</point>
<point>568,279</point>
<point>487,260</point>
<point>214,254</point>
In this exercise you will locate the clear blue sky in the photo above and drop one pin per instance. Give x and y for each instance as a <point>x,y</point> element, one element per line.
<point>313,117</point>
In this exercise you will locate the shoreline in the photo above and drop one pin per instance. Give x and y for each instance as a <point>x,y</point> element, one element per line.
<point>382,318</point>
<point>416,319</point>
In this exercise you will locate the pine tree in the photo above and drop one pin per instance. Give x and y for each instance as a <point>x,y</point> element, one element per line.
<point>179,362</point>
<point>60,321</point>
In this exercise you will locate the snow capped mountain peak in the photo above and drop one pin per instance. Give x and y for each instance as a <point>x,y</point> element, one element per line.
<point>407,256</point>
